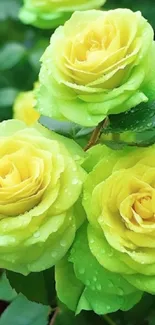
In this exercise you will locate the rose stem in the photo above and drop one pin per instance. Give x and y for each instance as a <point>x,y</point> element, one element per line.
<point>54,316</point>
<point>109,320</point>
<point>96,134</point>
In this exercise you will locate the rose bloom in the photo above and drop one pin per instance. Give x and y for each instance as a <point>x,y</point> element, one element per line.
<point>119,199</point>
<point>23,108</point>
<point>40,180</point>
<point>99,63</point>
<point>52,13</point>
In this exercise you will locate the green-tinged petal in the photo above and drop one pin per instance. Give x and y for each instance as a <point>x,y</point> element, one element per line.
<point>69,288</point>
<point>92,76</point>
<point>105,291</point>
<point>40,181</point>
<point>142,282</point>
<point>119,196</point>
<point>50,14</point>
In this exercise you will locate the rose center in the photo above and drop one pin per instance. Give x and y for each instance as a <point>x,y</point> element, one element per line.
<point>144,207</point>
<point>94,41</point>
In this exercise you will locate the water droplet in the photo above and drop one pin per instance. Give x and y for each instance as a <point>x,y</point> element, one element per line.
<point>63,243</point>
<point>54,254</point>
<point>95,278</point>
<point>82,270</point>
<point>87,282</point>
<point>102,251</point>
<point>76,157</point>
<point>110,284</point>
<point>120,291</point>
<point>108,307</point>
<point>99,287</point>
<point>36,234</point>
<point>75,181</point>
<point>92,241</point>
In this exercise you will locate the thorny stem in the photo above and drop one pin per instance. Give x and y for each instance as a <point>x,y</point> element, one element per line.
<point>109,320</point>
<point>57,310</point>
<point>96,134</point>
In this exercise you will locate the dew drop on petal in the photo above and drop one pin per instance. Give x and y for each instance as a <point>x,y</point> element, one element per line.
<point>75,181</point>
<point>36,234</point>
<point>63,243</point>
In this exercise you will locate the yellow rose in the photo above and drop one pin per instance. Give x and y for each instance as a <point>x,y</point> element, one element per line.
<point>52,13</point>
<point>98,63</point>
<point>120,203</point>
<point>39,183</point>
<point>23,108</point>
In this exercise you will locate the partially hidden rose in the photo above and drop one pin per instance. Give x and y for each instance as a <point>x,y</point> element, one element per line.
<point>23,108</point>
<point>52,13</point>
<point>99,63</point>
<point>40,181</point>
<point>119,198</point>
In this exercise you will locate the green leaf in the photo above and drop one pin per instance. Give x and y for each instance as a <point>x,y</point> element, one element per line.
<point>38,287</point>
<point>9,9</point>
<point>68,129</point>
<point>10,55</point>
<point>7,96</point>
<point>74,149</point>
<point>23,312</point>
<point>102,291</point>
<point>6,292</point>
<point>138,119</point>
<point>66,317</point>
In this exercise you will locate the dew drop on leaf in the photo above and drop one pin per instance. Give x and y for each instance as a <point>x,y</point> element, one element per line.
<point>99,287</point>
<point>82,270</point>
<point>120,291</point>
<point>110,284</point>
